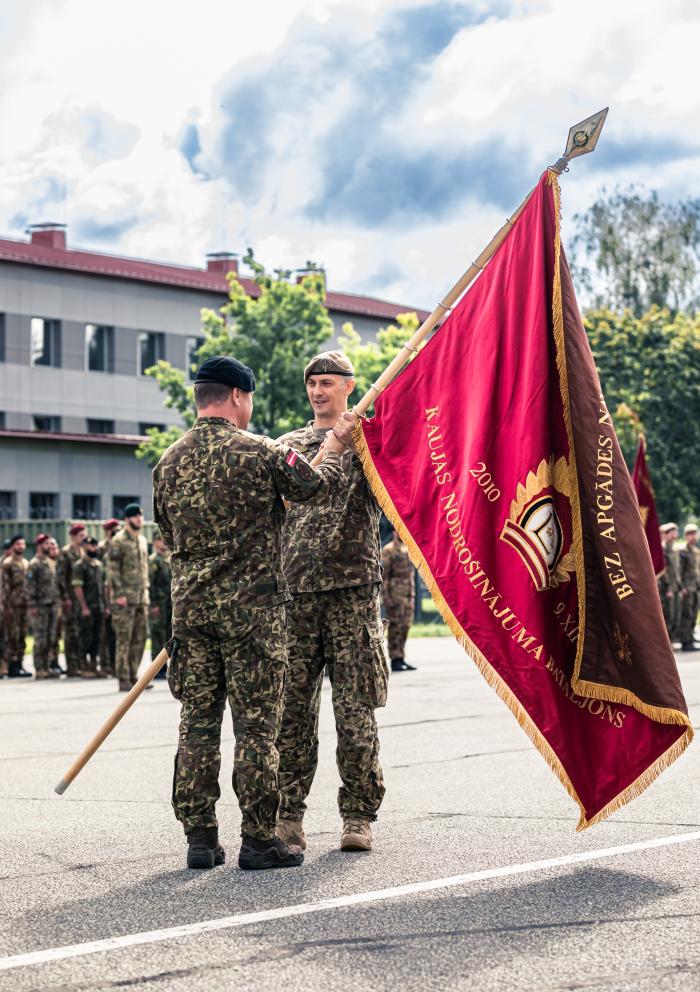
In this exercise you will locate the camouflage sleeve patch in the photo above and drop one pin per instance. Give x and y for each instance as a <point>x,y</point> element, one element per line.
<point>298,465</point>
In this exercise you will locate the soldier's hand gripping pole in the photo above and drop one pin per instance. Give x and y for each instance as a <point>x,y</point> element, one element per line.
<point>109,725</point>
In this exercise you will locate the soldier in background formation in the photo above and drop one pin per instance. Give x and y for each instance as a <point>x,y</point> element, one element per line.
<point>669,582</point>
<point>57,610</point>
<point>160,577</point>
<point>42,596</point>
<point>88,586</point>
<point>127,577</point>
<point>13,580</point>
<point>110,528</point>
<point>690,582</point>
<point>70,555</point>
<point>398,599</point>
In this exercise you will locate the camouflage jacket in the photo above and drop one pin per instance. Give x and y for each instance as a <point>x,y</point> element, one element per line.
<point>217,495</point>
<point>688,559</point>
<point>65,563</point>
<point>160,576</point>
<point>14,583</point>
<point>127,568</point>
<point>398,579</point>
<point>670,579</point>
<point>89,575</point>
<point>333,543</point>
<point>42,587</point>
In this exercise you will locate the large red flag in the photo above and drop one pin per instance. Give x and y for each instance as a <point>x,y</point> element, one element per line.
<point>647,506</point>
<point>495,457</point>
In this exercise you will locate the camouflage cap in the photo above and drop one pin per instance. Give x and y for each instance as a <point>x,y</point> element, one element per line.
<point>330,363</point>
<point>664,528</point>
<point>690,529</point>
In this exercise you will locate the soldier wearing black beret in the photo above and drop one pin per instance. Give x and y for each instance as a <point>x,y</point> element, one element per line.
<point>218,500</point>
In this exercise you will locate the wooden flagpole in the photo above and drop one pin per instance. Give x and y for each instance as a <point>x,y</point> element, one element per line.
<point>109,725</point>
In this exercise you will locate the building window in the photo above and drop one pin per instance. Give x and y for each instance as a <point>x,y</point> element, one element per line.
<point>2,420</point>
<point>8,506</point>
<point>192,347</point>
<point>147,427</point>
<point>119,504</point>
<point>151,349</point>
<point>99,348</point>
<point>2,337</point>
<point>86,506</point>
<point>46,342</point>
<point>100,426</point>
<point>43,506</point>
<point>44,422</point>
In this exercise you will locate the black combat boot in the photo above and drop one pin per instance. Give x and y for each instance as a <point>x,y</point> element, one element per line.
<point>17,672</point>
<point>401,665</point>
<point>273,853</point>
<point>204,849</point>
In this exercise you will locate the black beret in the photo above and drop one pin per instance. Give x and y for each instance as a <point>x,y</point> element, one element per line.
<point>132,510</point>
<point>15,537</point>
<point>227,371</point>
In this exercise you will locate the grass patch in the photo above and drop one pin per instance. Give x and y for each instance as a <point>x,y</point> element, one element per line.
<point>430,630</point>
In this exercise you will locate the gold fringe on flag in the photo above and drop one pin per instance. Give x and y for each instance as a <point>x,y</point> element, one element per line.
<point>487,670</point>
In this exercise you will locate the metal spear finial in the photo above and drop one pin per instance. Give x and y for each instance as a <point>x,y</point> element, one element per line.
<point>582,139</point>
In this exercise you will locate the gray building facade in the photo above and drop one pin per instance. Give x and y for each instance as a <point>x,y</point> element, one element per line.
<point>77,331</point>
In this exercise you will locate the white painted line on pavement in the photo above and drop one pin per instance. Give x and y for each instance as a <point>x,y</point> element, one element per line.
<point>302,909</point>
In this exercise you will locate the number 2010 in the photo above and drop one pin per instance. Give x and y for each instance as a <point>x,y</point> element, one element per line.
<point>485,480</point>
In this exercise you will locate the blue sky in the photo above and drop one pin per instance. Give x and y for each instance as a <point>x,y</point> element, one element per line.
<point>385,139</point>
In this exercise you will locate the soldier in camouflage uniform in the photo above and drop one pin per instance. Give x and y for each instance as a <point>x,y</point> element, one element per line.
<point>690,581</point>
<point>88,586</point>
<point>669,582</point>
<point>42,591</point>
<point>109,648</point>
<point>3,663</point>
<point>127,577</point>
<point>13,576</point>
<point>160,577</point>
<point>218,495</point>
<point>52,555</point>
<point>398,599</point>
<point>331,561</point>
<point>70,554</point>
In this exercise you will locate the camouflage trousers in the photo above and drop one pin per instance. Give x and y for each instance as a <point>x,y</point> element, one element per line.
<point>341,631</point>
<point>73,640</point>
<point>15,625</point>
<point>688,617</point>
<point>400,617</point>
<point>670,606</point>
<point>242,659</point>
<point>92,633</point>
<point>130,624</point>
<point>44,624</point>
<point>161,631</point>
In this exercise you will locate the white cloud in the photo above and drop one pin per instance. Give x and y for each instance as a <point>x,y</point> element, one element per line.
<point>94,100</point>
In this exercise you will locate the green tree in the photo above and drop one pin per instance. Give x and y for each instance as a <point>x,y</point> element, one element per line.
<point>369,360</point>
<point>275,332</point>
<point>650,372</point>
<point>636,252</point>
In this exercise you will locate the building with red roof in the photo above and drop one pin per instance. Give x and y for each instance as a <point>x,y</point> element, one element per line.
<point>77,331</point>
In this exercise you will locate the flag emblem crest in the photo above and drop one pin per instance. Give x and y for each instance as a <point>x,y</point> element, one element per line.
<point>535,528</point>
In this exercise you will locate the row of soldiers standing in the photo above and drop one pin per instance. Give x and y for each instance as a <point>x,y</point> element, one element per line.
<point>100,597</point>
<point>679,583</point>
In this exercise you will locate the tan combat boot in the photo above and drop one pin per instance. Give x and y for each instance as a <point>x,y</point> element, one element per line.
<point>356,835</point>
<point>291,832</point>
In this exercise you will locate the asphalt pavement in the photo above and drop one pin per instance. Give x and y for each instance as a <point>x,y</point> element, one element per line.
<point>460,891</point>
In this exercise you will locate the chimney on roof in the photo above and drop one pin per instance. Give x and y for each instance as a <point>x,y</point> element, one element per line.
<point>48,235</point>
<point>310,270</point>
<point>222,261</point>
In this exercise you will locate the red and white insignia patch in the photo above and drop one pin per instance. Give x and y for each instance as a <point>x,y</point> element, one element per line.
<point>291,458</point>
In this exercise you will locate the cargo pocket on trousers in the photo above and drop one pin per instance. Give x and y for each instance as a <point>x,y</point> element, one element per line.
<point>176,668</point>
<point>378,676</point>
